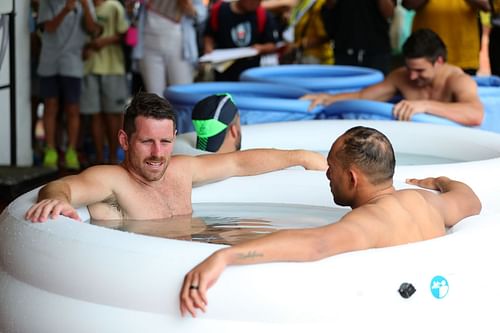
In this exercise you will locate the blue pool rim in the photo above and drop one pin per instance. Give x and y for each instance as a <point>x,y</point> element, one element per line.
<point>258,102</point>
<point>247,95</point>
<point>367,109</point>
<point>315,77</point>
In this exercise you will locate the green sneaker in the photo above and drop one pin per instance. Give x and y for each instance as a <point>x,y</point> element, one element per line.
<point>71,158</point>
<point>50,158</point>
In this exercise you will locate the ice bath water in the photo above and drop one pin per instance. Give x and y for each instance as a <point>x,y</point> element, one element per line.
<point>231,223</point>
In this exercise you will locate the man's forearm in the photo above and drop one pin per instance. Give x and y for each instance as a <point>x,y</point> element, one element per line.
<point>257,161</point>
<point>469,114</point>
<point>52,25</point>
<point>469,202</point>
<point>90,25</point>
<point>265,48</point>
<point>284,245</point>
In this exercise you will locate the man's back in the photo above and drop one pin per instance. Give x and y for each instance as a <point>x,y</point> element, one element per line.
<point>400,217</point>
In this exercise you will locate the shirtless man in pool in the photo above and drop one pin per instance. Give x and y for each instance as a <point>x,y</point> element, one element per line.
<point>427,83</point>
<point>150,184</point>
<point>361,167</point>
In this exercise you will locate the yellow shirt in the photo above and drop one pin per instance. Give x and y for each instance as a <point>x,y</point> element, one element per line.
<point>110,59</point>
<point>310,26</point>
<point>457,24</point>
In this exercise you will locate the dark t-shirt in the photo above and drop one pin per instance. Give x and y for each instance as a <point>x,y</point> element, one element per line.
<point>358,25</point>
<point>239,30</point>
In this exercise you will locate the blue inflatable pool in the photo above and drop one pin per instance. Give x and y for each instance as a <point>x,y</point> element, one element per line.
<point>258,102</point>
<point>317,78</point>
<point>488,85</point>
<point>365,109</point>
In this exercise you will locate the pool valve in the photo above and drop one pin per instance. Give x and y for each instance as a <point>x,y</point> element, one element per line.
<point>406,290</point>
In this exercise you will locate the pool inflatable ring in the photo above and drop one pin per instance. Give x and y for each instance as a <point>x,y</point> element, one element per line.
<point>317,78</point>
<point>367,109</point>
<point>375,110</point>
<point>67,276</point>
<point>258,102</point>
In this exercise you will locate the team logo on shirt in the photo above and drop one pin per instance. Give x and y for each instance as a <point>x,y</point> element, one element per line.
<point>242,34</point>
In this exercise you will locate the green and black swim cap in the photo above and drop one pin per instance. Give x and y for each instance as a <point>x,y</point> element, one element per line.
<point>211,116</point>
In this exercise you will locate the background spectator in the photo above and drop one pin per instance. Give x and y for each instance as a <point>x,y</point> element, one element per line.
<point>457,23</point>
<point>104,88</point>
<point>310,41</point>
<point>65,26</point>
<point>162,61</point>
<point>360,31</point>
<point>241,23</point>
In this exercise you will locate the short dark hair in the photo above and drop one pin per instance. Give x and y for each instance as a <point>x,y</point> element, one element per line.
<point>369,150</point>
<point>424,43</point>
<point>148,105</point>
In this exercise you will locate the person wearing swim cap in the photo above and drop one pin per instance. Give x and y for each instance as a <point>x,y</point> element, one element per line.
<point>217,124</point>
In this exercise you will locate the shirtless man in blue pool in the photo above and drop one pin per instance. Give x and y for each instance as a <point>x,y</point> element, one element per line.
<point>427,84</point>
<point>150,184</point>
<point>361,167</point>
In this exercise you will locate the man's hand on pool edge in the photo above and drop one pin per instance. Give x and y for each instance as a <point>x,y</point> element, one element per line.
<point>430,183</point>
<point>196,283</point>
<point>51,208</point>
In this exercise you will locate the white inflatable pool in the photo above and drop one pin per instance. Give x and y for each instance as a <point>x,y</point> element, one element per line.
<point>64,276</point>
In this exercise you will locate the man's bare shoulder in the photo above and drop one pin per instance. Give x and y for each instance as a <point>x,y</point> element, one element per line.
<point>399,80</point>
<point>456,78</point>
<point>107,177</point>
<point>188,161</point>
<point>398,76</point>
<point>404,216</point>
<point>105,171</point>
<point>181,162</point>
<point>391,204</point>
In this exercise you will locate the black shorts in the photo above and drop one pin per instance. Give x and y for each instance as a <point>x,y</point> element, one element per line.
<point>67,88</point>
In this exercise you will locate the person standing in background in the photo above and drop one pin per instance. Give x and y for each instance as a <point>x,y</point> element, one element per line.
<point>494,43</point>
<point>457,23</point>
<point>162,62</point>
<point>65,25</point>
<point>309,39</point>
<point>241,23</point>
<point>360,32</point>
<point>104,88</point>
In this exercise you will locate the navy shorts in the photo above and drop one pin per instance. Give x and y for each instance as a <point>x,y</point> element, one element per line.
<point>67,88</point>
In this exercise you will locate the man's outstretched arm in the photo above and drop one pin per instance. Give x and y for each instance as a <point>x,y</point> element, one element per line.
<point>382,91</point>
<point>215,167</point>
<point>297,245</point>
<point>456,200</point>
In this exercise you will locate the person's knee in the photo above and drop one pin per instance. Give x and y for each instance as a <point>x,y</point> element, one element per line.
<point>72,110</point>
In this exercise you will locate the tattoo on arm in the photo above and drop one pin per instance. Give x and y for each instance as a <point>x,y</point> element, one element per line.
<point>249,255</point>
